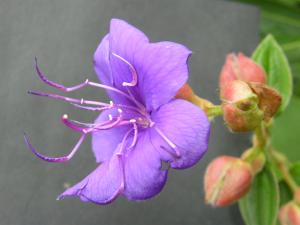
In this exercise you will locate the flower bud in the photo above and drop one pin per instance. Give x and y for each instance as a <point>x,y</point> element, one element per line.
<point>185,92</point>
<point>240,67</point>
<point>240,107</point>
<point>226,180</point>
<point>269,99</point>
<point>289,214</point>
<point>256,158</point>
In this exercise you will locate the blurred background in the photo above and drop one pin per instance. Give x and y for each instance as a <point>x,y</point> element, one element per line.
<point>63,34</point>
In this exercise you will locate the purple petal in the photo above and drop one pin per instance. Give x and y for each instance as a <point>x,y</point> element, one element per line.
<point>161,67</point>
<point>163,70</point>
<point>144,176</point>
<point>103,70</point>
<point>105,142</point>
<point>186,126</point>
<point>102,186</point>
<point>101,61</point>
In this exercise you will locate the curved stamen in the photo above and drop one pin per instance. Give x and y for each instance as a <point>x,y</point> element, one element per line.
<point>112,105</point>
<point>138,104</point>
<point>73,88</point>
<point>95,127</point>
<point>135,135</point>
<point>90,108</point>
<point>56,85</point>
<point>122,144</point>
<point>169,142</point>
<point>132,70</point>
<point>67,99</point>
<point>55,159</point>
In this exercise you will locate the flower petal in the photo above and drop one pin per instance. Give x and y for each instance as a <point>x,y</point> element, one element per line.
<point>101,61</point>
<point>161,67</point>
<point>102,186</point>
<point>103,70</point>
<point>187,127</point>
<point>105,142</point>
<point>144,176</point>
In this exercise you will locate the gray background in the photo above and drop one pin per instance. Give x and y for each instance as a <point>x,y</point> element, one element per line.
<point>63,34</point>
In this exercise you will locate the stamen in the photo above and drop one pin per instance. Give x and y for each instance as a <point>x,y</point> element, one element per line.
<point>56,85</point>
<point>169,142</point>
<point>55,159</point>
<point>135,135</point>
<point>76,87</point>
<point>132,70</point>
<point>122,144</point>
<point>91,108</point>
<point>67,99</point>
<point>90,127</point>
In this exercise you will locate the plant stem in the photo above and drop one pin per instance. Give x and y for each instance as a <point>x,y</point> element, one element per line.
<point>282,163</point>
<point>209,108</point>
<point>214,111</point>
<point>261,136</point>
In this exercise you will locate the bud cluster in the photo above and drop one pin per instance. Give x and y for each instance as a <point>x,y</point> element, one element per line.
<point>246,99</point>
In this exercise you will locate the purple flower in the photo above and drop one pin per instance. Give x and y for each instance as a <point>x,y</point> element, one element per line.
<point>143,125</point>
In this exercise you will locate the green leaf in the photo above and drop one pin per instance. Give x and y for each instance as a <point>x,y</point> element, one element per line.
<point>285,132</point>
<point>285,193</point>
<point>295,172</point>
<point>260,205</point>
<point>272,58</point>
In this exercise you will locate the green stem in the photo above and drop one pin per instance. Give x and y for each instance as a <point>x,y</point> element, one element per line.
<point>282,163</point>
<point>214,111</point>
<point>261,136</point>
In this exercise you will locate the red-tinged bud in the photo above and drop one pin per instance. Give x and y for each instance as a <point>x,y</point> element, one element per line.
<point>269,99</point>
<point>289,214</point>
<point>240,67</point>
<point>185,92</point>
<point>256,158</point>
<point>226,180</point>
<point>240,107</point>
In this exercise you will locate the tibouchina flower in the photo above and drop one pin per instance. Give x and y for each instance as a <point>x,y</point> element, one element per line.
<point>143,124</point>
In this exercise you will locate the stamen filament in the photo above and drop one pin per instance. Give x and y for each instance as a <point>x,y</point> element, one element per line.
<point>132,70</point>
<point>55,159</point>
<point>135,135</point>
<point>95,127</point>
<point>67,99</point>
<point>76,87</point>
<point>169,142</point>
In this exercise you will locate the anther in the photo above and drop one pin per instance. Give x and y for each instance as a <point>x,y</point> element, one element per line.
<point>132,70</point>
<point>132,120</point>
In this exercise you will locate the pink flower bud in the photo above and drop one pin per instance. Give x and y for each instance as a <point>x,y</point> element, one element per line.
<point>226,180</point>
<point>289,214</point>
<point>185,92</point>
<point>240,107</point>
<point>240,67</point>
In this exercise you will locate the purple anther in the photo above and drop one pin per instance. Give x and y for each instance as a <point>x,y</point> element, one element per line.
<point>56,85</point>
<point>55,159</point>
